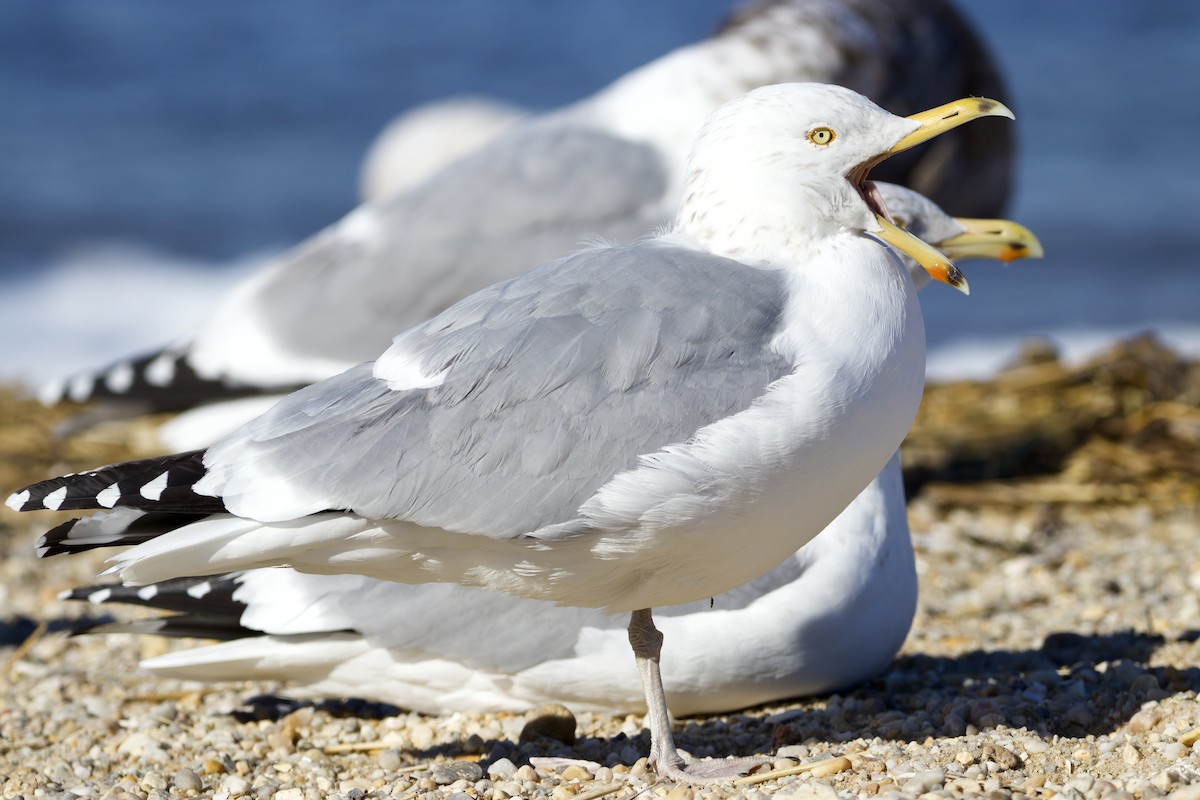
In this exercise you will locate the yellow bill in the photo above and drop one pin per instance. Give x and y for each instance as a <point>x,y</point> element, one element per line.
<point>932,260</point>
<point>992,238</point>
<point>937,121</point>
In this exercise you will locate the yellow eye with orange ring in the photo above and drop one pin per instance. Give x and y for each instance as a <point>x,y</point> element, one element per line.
<point>821,136</point>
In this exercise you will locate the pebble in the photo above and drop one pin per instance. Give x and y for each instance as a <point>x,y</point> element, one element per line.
<point>810,790</point>
<point>501,769</point>
<point>1004,757</point>
<point>390,760</point>
<point>154,780</point>
<point>451,771</point>
<point>575,772</point>
<point>953,718</point>
<point>421,737</point>
<point>923,782</point>
<point>1144,720</point>
<point>235,785</point>
<point>1034,746</point>
<point>187,780</point>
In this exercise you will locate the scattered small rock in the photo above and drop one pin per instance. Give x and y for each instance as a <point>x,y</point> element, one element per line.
<point>451,771</point>
<point>187,780</point>
<point>390,760</point>
<point>235,785</point>
<point>924,782</point>
<point>1144,720</point>
<point>421,737</point>
<point>1006,758</point>
<point>501,769</point>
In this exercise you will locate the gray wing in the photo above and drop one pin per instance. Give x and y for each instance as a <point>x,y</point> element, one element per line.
<point>532,195</point>
<point>550,384</point>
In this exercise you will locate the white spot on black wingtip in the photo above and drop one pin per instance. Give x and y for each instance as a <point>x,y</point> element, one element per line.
<point>119,378</point>
<point>161,371</point>
<point>148,593</point>
<point>66,594</point>
<point>109,496</point>
<point>17,500</point>
<point>100,596</point>
<point>200,590</point>
<point>154,489</point>
<point>55,499</point>
<point>41,550</point>
<point>79,388</point>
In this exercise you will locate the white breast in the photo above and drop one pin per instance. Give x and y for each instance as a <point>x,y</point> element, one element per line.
<point>704,516</point>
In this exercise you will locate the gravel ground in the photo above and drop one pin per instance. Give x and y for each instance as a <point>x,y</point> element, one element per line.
<point>1052,654</point>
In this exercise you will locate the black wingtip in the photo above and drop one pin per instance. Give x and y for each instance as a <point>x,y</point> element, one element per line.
<point>204,607</point>
<point>51,543</point>
<point>159,381</point>
<point>161,483</point>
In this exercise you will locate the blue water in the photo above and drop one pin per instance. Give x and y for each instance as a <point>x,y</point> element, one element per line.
<point>209,131</point>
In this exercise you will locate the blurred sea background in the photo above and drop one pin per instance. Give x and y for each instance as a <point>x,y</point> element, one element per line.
<point>151,153</point>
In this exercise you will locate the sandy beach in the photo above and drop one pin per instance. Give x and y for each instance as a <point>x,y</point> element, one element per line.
<point>1054,513</point>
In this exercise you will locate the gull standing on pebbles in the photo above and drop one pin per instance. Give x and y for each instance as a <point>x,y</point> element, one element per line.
<point>610,165</point>
<point>830,615</point>
<point>629,427</point>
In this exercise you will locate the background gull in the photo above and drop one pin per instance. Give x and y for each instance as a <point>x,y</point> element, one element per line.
<point>830,615</point>
<point>423,140</point>
<point>630,427</point>
<point>609,165</point>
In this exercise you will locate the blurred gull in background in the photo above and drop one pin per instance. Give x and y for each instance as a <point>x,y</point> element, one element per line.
<point>423,140</point>
<point>609,166</point>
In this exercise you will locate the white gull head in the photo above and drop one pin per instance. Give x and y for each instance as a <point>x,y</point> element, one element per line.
<point>785,159</point>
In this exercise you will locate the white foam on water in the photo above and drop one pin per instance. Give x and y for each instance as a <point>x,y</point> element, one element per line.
<point>979,359</point>
<point>103,302</point>
<point>110,300</point>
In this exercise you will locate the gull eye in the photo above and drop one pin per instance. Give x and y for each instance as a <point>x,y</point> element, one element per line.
<point>821,136</point>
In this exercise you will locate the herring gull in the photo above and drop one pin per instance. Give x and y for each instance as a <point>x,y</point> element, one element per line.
<point>830,615</point>
<point>629,427</point>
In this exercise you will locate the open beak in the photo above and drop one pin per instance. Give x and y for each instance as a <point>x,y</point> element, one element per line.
<point>930,123</point>
<point>939,267</point>
<point>992,238</point>
<point>937,121</point>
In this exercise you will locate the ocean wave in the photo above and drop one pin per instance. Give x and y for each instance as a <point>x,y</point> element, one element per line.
<point>103,301</point>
